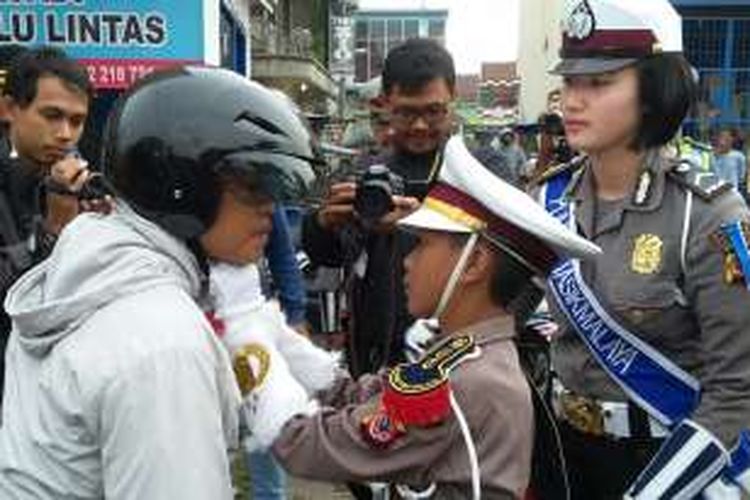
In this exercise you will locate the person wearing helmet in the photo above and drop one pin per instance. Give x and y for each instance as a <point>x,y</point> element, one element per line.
<point>117,385</point>
<point>457,422</point>
<point>653,392</point>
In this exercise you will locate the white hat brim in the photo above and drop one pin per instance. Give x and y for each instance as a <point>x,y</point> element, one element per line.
<point>426,218</point>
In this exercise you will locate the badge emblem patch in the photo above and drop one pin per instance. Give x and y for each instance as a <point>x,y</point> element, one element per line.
<point>732,239</point>
<point>251,364</point>
<point>380,430</point>
<point>581,22</point>
<point>647,254</point>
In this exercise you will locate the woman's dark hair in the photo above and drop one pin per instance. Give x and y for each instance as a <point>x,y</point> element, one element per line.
<point>415,63</point>
<point>667,91</point>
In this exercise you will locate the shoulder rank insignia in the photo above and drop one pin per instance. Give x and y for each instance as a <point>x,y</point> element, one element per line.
<point>417,394</point>
<point>643,188</point>
<point>706,185</point>
<point>733,240</point>
<point>553,170</point>
<point>647,252</point>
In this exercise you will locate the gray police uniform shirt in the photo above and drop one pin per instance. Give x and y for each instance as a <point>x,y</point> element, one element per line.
<point>494,397</point>
<point>670,293</point>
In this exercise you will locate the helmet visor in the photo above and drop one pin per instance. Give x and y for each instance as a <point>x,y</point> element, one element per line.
<point>286,179</point>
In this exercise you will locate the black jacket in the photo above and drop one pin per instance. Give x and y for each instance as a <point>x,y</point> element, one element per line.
<point>377,299</point>
<point>21,236</point>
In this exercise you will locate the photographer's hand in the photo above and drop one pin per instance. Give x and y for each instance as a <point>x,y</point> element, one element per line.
<point>338,207</point>
<point>66,179</point>
<point>68,174</point>
<point>402,206</point>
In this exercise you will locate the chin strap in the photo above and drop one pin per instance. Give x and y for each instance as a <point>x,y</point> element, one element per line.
<point>458,271</point>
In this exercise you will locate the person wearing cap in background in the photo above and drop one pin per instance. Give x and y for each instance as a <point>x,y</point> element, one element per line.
<point>512,152</point>
<point>458,421</point>
<point>653,392</point>
<point>491,158</point>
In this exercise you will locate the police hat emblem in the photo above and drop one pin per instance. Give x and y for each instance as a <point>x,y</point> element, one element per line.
<point>581,22</point>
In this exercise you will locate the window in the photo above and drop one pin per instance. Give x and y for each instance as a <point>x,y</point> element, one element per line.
<point>741,48</point>
<point>395,33</point>
<point>719,48</point>
<point>361,42</point>
<point>411,28</point>
<point>377,47</point>
<point>436,29</point>
<point>361,33</point>
<point>705,41</point>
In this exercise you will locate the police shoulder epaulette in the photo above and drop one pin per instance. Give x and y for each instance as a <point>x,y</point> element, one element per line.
<point>555,170</point>
<point>417,394</point>
<point>697,144</point>
<point>707,185</point>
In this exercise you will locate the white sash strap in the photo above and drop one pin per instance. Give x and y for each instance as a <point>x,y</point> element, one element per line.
<point>688,461</point>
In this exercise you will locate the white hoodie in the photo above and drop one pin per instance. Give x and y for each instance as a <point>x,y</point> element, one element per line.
<point>116,386</point>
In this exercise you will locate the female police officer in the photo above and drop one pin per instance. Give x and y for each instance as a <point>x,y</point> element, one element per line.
<point>654,387</point>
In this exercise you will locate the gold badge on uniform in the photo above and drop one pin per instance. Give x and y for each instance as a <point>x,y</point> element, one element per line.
<point>647,250</point>
<point>251,364</point>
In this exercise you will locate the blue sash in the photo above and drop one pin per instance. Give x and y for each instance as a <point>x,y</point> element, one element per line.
<point>655,383</point>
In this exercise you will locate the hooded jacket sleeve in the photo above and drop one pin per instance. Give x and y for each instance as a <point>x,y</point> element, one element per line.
<point>161,433</point>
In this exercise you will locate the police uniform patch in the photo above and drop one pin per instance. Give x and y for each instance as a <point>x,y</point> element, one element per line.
<point>251,364</point>
<point>419,393</point>
<point>732,239</point>
<point>380,429</point>
<point>647,254</point>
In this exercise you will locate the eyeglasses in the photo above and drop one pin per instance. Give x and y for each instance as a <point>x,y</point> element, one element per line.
<point>432,114</point>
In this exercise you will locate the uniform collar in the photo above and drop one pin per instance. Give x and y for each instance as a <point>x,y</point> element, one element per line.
<point>500,327</point>
<point>646,196</point>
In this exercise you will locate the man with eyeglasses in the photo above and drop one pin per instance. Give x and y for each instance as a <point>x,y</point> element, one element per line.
<point>418,83</point>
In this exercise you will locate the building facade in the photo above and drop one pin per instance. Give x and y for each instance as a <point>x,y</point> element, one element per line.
<point>538,49</point>
<point>290,47</point>
<point>378,31</point>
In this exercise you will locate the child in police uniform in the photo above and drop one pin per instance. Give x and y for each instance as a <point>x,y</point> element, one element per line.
<point>459,420</point>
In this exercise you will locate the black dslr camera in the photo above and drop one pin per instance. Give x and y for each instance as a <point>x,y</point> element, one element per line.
<point>375,188</point>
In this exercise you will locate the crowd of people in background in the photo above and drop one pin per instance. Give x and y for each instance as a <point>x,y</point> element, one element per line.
<point>163,300</point>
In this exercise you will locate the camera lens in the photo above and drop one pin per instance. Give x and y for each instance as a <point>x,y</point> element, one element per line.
<point>374,202</point>
<point>374,192</point>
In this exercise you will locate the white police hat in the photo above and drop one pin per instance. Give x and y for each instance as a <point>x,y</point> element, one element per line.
<point>469,198</point>
<point>607,35</point>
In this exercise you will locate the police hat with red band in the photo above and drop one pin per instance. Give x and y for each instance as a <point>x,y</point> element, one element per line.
<point>469,198</point>
<point>606,35</point>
